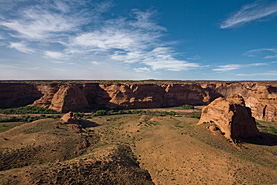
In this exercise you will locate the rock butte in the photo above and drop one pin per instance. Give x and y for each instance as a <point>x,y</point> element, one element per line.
<point>76,96</point>
<point>232,117</point>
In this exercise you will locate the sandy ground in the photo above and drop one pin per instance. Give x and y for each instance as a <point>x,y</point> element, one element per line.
<point>175,150</point>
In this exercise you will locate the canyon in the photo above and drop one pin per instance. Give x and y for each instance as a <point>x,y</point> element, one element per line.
<point>65,96</point>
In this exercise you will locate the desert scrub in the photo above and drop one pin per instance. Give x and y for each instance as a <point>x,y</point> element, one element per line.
<point>28,110</point>
<point>196,115</point>
<point>187,107</point>
<point>28,118</point>
<point>140,112</point>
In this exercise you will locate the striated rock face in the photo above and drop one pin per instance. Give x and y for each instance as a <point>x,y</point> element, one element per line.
<point>68,98</point>
<point>64,97</point>
<point>48,91</point>
<point>231,116</point>
<point>263,102</point>
<point>150,95</point>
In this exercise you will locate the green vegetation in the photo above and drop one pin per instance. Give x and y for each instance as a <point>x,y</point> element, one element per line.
<point>195,115</point>
<point>265,126</point>
<point>28,110</point>
<point>100,113</point>
<point>272,130</point>
<point>28,118</point>
<point>9,125</point>
<point>80,115</point>
<point>142,112</point>
<point>187,107</point>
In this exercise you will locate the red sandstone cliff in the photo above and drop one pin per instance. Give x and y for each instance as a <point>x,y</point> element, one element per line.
<point>262,99</point>
<point>18,94</point>
<point>65,97</point>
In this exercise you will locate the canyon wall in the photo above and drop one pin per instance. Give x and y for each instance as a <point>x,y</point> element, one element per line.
<point>77,96</point>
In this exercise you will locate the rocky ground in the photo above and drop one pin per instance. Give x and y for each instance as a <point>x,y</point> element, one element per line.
<point>134,149</point>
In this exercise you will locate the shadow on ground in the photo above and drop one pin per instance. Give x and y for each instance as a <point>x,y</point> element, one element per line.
<point>88,124</point>
<point>263,139</point>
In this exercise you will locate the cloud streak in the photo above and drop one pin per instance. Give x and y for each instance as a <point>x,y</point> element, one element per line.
<point>266,53</point>
<point>269,73</point>
<point>228,67</point>
<point>20,46</point>
<point>231,67</point>
<point>248,13</point>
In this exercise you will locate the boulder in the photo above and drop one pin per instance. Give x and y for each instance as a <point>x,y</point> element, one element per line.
<point>69,118</point>
<point>231,116</point>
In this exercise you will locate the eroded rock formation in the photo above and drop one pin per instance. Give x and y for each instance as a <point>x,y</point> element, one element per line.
<point>231,116</point>
<point>75,96</point>
<point>263,102</point>
<point>69,118</point>
<point>68,98</point>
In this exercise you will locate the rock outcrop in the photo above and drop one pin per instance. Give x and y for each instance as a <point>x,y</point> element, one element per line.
<point>48,91</point>
<point>68,98</point>
<point>262,100</point>
<point>75,96</point>
<point>69,118</point>
<point>231,116</point>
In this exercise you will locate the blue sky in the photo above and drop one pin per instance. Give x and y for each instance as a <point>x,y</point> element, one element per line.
<point>136,40</point>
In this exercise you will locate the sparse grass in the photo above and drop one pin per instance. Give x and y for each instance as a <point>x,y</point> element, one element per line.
<point>266,126</point>
<point>9,125</point>
<point>195,115</point>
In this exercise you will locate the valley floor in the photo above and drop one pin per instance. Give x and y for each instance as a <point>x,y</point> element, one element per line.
<point>173,149</point>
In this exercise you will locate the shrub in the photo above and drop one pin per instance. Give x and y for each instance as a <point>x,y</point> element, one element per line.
<point>197,116</point>
<point>111,112</point>
<point>272,130</point>
<point>120,112</point>
<point>187,107</point>
<point>101,113</point>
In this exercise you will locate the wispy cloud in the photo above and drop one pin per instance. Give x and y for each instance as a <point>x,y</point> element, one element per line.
<point>135,41</point>
<point>269,73</point>
<point>266,53</point>
<point>95,63</point>
<point>257,64</point>
<point>21,46</point>
<point>54,54</point>
<point>248,13</point>
<point>230,67</point>
<point>270,56</point>
<point>40,20</point>
<point>142,69</point>
<point>75,29</point>
<point>38,24</point>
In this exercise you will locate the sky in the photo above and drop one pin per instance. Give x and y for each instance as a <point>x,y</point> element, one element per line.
<point>138,40</point>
